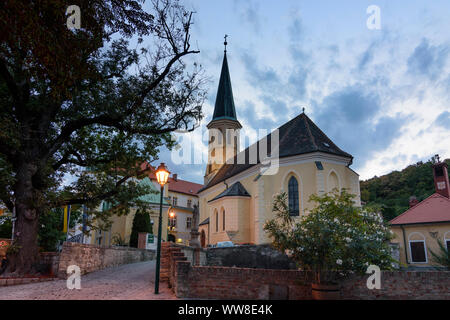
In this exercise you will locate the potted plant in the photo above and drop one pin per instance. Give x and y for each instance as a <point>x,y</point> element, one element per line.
<point>335,239</point>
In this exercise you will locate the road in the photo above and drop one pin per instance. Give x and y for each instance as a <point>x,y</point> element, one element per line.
<point>127,282</point>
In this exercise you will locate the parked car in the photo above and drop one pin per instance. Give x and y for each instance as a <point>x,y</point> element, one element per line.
<point>225,244</point>
<point>244,244</point>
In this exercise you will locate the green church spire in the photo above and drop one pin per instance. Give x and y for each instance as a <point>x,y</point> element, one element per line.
<point>224,107</point>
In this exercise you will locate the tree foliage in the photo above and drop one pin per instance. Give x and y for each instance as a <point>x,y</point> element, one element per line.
<point>391,192</point>
<point>335,238</point>
<point>92,103</point>
<point>5,227</point>
<point>442,255</point>
<point>50,232</point>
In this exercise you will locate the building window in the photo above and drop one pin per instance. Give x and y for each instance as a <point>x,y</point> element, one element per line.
<point>189,203</point>
<point>99,237</point>
<point>333,181</point>
<point>188,222</point>
<point>173,222</point>
<point>417,248</point>
<point>418,253</point>
<point>217,221</point>
<point>170,199</point>
<point>174,201</point>
<point>223,218</point>
<point>447,240</point>
<point>293,197</point>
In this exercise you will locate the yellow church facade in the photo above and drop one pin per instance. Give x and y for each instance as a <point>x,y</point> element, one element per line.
<point>241,219</point>
<point>237,197</point>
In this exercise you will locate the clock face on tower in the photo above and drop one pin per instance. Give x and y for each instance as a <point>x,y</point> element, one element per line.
<point>441,185</point>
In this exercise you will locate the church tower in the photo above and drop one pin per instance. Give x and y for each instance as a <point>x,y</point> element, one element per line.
<point>223,143</point>
<point>441,181</point>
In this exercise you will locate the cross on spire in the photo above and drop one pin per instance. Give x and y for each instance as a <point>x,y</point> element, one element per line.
<point>225,42</point>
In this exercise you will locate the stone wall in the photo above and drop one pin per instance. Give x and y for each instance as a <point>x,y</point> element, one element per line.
<point>253,256</point>
<point>91,257</point>
<point>49,262</point>
<point>190,281</point>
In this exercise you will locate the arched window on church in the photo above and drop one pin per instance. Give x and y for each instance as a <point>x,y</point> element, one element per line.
<point>333,182</point>
<point>223,221</point>
<point>293,197</point>
<point>217,221</point>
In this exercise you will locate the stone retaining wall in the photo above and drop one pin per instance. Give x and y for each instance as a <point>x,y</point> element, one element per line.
<point>50,262</point>
<point>189,281</point>
<point>91,257</point>
<point>252,256</point>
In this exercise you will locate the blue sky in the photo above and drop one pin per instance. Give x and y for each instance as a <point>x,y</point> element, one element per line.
<point>381,95</point>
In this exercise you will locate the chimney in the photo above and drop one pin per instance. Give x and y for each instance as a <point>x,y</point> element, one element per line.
<point>413,201</point>
<point>441,183</point>
<point>175,177</point>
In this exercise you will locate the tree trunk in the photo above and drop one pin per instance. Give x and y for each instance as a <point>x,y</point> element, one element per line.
<point>23,257</point>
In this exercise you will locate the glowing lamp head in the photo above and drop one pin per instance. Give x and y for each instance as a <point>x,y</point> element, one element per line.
<point>171,214</point>
<point>162,174</point>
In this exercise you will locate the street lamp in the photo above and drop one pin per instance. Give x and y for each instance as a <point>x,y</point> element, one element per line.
<point>171,226</point>
<point>162,175</point>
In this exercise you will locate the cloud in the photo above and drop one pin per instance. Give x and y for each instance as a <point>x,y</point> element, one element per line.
<point>428,60</point>
<point>350,117</point>
<point>443,120</point>
<point>295,30</point>
<point>262,78</point>
<point>250,13</point>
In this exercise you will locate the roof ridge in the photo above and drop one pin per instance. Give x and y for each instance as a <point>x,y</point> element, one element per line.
<point>309,131</point>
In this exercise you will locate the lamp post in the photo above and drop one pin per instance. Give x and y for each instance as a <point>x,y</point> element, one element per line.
<point>162,175</point>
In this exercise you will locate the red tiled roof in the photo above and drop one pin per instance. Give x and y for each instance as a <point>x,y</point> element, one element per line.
<point>184,186</point>
<point>178,185</point>
<point>435,208</point>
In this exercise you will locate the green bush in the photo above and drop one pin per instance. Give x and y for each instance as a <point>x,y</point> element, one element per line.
<point>334,239</point>
<point>141,223</point>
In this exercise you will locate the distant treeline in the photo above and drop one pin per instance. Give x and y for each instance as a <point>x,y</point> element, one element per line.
<point>392,191</point>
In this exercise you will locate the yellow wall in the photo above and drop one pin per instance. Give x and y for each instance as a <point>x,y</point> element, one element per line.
<point>419,232</point>
<point>122,225</point>
<point>237,227</point>
<point>255,211</point>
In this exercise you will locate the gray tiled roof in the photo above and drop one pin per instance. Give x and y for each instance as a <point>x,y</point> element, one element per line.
<point>224,107</point>
<point>297,136</point>
<point>237,189</point>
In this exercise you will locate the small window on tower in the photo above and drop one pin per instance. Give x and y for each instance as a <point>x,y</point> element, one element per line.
<point>439,172</point>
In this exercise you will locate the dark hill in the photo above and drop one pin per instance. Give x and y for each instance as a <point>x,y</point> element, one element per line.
<point>392,191</point>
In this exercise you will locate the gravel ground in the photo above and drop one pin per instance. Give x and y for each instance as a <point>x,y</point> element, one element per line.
<point>127,282</point>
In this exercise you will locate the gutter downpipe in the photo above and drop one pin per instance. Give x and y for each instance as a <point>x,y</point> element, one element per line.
<point>404,243</point>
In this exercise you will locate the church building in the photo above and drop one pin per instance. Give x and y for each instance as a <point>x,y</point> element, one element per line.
<point>236,199</point>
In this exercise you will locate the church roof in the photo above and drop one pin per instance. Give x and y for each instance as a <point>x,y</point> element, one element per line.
<point>224,107</point>
<point>297,136</point>
<point>237,189</point>
<point>435,208</point>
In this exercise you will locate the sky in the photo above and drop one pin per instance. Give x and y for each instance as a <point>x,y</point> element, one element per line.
<point>382,95</point>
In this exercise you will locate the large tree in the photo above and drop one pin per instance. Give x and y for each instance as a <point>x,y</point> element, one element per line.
<point>92,103</point>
